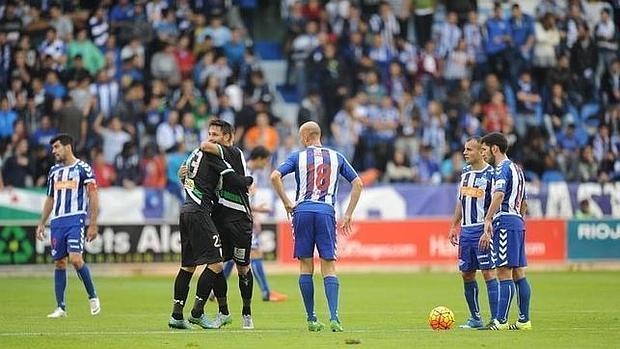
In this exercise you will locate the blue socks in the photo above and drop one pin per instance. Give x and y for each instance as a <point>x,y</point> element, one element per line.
<point>506,293</point>
<point>60,284</point>
<point>228,266</point>
<point>471,296</point>
<point>306,286</point>
<point>259,275</point>
<point>523,299</point>
<point>493,292</point>
<point>331,292</point>
<point>84,274</point>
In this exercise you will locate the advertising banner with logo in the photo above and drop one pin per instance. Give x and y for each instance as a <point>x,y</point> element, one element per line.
<point>423,242</point>
<point>115,244</point>
<point>594,239</point>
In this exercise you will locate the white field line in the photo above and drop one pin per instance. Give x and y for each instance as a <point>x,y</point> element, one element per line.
<point>259,331</point>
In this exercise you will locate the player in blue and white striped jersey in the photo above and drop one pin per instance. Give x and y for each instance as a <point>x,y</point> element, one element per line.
<point>71,194</point>
<point>316,172</point>
<point>473,201</point>
<point>505,231</point>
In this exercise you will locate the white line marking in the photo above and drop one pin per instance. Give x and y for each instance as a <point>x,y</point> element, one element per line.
<point>282,330</point>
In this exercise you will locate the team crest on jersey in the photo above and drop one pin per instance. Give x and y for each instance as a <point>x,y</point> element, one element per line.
<point>480,182</point>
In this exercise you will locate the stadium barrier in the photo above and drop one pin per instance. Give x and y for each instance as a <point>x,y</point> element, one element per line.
<point>406,201</point>
<point>115,244</point>
<point>423,242</point>
<point>409,242</point>
<point>594,239</point>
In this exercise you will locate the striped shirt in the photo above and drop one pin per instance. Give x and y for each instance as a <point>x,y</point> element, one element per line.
<point>316,173</point>
<point>475,194</point>
<point>66,184</point>
<point>509,179</point>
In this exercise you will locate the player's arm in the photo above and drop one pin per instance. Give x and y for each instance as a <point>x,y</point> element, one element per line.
<point>278,186</point>
<point>47,210</point>
<point>230,178</point>
<point>348,172</point>
<point>523,209</point>
<point>182,172</point>
<point>356,192</point>
<point>212,148</point>
<point>453,235</point>
<point>496,201</point>
<point>285,168</point>
<point>93,210</point>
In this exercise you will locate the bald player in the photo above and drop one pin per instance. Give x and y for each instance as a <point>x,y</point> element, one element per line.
<point>316,172</point>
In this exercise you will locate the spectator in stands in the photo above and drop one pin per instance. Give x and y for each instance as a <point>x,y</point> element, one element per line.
<point>235,48</point>
<point>583,61</point>
<point>11,23</point>
<point>174,160</point>
<point>428,168</point>
<point>41,164</point>
<point>73,121</point>
<point>153,168</point>
<point>90,54</point>
<point>99,27</point>
<point>399,168</point>
<point>605,148</point>
<point>606,40</point>
<point>610,84</point>
<point>458,65</point>
<point>385,24</point>
<point>262,134</point>
<point>113,137</point>
<point>452,168</point>
<point>301,48</point>
<point>164,66</point>
<point>547,39</point>
<point>191,135</point>
<point>104,172</point>
<point>184,57</point>
<point>166,29</point>
<point>17,169</point>
<point>61,22</point>
<point>44,133</point>
<point>7,119</point>
<point>584,211</point>
<point>522,39</point>
<point>219,32</point>
<point>497,117</point>
<point>53,86</point>
<point>552,172</point>
<point>448,35</point>
<point>557,112</point>
<point>170,133</point>
<point>424,13</point>
<point>528,103</point>
<point>498,41</point>
<point>572,22</point>
<point>127,166</point>
<point>587,167</point>
<point>107,93</point>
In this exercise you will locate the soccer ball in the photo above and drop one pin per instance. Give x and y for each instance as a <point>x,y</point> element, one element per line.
<point>441,318</point>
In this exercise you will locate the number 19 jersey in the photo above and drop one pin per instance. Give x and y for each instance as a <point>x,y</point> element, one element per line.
<point>316,174</point>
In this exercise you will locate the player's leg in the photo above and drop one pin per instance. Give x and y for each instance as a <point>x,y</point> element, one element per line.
<point>59,254</point>
<point>468,266</point>
<point>205,244</point>
<point>183,278</point>
<point>75,240</point>
<point>75,258</point>
<point>325,227</point>
<point>486,264</point>
<point>228,267</point>
<point>258,271</point>
<point>523,300</point>
<point>60,285</point>
<point>490,278</point>
<point>303,228</point>
<point>242,240</point>
<point>524,291</point>
<point>502,247</point>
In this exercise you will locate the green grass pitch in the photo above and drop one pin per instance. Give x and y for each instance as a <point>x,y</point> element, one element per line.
<point>568,310</point>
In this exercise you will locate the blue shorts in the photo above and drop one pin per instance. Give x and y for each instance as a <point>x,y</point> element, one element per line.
<point>314,229</point>
<point>67,239</point>
<point>509,241</point>
<point>471,258</point>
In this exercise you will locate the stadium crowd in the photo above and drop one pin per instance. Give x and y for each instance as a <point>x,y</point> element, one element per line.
<point>396,85</point>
